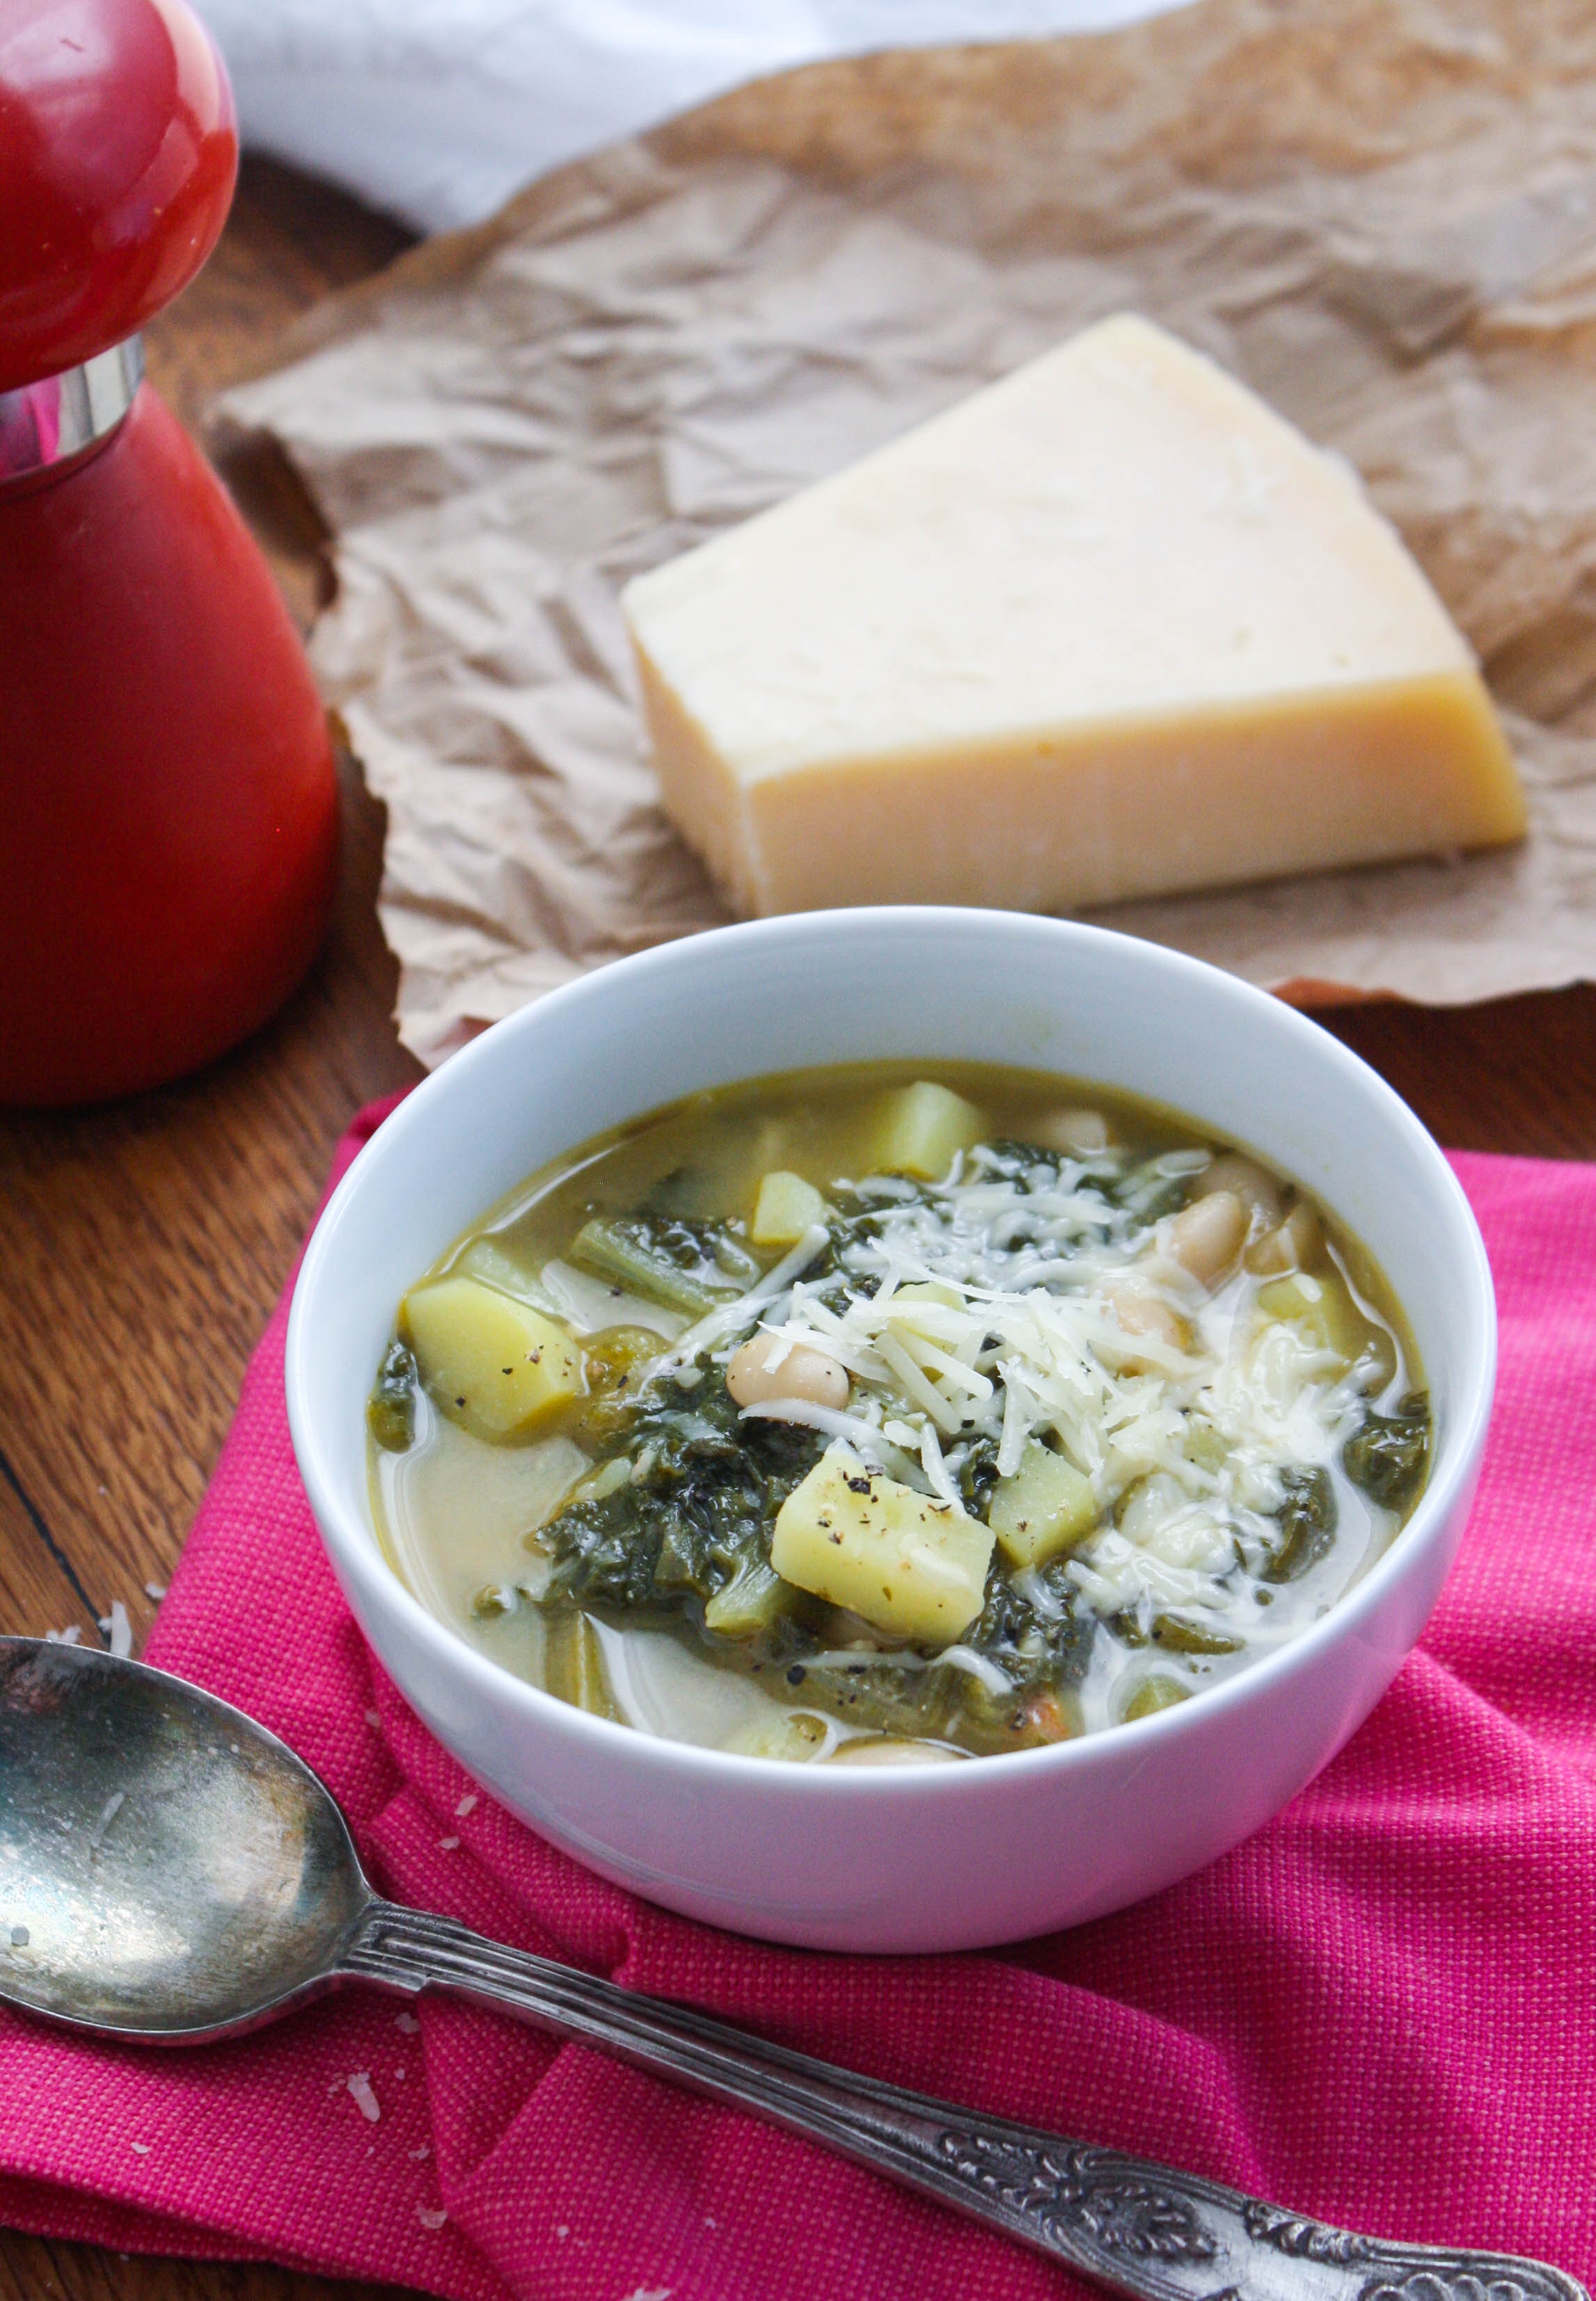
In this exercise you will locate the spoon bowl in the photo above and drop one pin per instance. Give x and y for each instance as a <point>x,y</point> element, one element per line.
<point>174,1871</point>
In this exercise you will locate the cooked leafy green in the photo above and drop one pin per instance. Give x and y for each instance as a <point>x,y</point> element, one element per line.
<point>1306,1523</point>
<point>1039,1634</point>
<point>390,1411</point>
<point>695,1512</point>
<point>688,1264</point>
<point>1388,1455</point>
<point>977,1474</point>
<point>1041,1648</point>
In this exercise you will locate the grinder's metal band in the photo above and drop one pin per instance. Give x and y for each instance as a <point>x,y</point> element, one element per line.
<point>53,424</point>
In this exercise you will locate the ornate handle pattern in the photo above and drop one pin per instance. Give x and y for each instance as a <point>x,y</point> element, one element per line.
<point>1140,2229</point>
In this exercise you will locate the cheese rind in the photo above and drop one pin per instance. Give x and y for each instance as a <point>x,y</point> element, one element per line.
<point>1111,628</point>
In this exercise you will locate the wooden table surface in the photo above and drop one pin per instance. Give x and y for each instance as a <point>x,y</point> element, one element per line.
<point>142,1245</point>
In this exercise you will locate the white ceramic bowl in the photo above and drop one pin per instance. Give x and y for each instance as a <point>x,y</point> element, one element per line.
<point>931,1858</point>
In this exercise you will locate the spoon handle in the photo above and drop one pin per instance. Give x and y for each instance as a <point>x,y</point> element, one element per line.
<point>1138,2228</point>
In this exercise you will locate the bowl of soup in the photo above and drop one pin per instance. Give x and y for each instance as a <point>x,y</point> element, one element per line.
<point>894,1429</point>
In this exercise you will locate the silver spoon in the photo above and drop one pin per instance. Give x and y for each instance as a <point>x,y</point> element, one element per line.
<point>171,1872</point>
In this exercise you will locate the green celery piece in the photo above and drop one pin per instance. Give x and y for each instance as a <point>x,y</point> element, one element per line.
<point>1180,1634</point>
<point>749,1604</point>
<point>604,1248</point>
<point>1153,1695</point>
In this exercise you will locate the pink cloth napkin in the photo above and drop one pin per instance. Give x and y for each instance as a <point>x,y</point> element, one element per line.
<point>1380,2010</point>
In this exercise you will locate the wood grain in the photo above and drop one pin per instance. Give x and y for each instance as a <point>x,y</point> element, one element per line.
<point>143,1245</point>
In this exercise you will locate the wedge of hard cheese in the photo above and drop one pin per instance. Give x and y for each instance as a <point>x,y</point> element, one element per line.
<point>1110,628</point>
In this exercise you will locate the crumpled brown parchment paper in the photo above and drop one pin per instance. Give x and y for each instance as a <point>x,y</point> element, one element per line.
<point>1381,214</point>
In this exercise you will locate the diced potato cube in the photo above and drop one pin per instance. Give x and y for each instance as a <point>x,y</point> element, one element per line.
<point>785,1209</point>
<point>1045,1507</point>
<point>495,1365</point>
<point>920,1127</point>
<point>910,1565</point>
<point>1321,1305</point>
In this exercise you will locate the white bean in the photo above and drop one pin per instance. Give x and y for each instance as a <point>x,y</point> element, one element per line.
<point>798,1372</point>
<point>1245,1180</point>
<point>1139,1312</point>
<point>1291,1245</point>
<point>883,1751</point>
<point>1084,1132</point>
<point>1205,1237</point>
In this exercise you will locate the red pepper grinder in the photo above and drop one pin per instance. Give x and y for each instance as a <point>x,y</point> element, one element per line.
<point>168,807</point>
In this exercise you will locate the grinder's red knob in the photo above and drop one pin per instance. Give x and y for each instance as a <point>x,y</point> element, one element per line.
<point>118,151</point>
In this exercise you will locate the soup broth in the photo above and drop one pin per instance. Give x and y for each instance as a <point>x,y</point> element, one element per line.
<point>887,1413</point>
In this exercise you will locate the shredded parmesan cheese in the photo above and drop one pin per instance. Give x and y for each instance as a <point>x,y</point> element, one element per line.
<point>1184,1447</point>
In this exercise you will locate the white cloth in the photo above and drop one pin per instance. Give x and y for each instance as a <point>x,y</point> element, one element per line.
<point>437,110</point>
